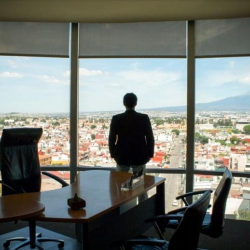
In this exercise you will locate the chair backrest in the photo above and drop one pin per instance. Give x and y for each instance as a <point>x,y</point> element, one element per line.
<point>219,205</point>
<point>20,165</point>
<point>187,234</point>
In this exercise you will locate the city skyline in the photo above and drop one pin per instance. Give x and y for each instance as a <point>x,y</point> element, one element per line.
<point>41,85</point>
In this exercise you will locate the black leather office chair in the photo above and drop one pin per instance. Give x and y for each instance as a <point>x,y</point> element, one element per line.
<point>213,223</point>
<point>187,233</point>
<point>21,173</point>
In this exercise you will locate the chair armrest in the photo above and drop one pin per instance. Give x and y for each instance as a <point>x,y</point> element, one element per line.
<point>192,193</point>
<point>149,242</point>
<point>183,197</point>
<point>178,210</point>
<point>64,183</point>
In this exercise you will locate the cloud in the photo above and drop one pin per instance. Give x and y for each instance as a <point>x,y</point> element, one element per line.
<point>115,84</point>
<point>151,77</point>
<point>11,74</point>
<point>134,65</point>
<point>51,79</point>
<point>87,72</point>
<point>17,62</point>
<point>245,80</point>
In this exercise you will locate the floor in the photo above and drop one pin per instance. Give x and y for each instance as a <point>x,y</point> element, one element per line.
<point>70,243</point>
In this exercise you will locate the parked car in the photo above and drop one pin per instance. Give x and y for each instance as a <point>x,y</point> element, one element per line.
<point>175,203</point>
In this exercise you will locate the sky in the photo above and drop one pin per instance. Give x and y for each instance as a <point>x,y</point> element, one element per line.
<point>41,85</point>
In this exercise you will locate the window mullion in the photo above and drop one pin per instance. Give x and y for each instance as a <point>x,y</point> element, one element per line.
<point>190,106</point>
<point>74,100</point>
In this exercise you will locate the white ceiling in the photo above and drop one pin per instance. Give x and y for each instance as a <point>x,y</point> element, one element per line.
<point>120,10</point>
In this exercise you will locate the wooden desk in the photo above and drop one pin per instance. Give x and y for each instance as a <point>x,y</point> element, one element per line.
<point>11,209</point>
<point>102,220</point>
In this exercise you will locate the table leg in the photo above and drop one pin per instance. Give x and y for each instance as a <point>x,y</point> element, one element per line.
<point>160,204</point>
<point>160,199</point>
<point>85,236</point>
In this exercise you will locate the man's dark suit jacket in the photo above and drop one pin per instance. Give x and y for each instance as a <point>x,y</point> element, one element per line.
<point>131,140</point>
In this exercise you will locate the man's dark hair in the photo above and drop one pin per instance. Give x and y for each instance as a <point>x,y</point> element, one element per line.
<point>130,100</point>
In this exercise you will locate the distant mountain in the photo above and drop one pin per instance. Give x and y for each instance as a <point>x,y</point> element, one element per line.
<point>241,102</point>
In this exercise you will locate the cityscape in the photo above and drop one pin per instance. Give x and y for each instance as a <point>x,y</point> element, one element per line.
<point>222,139</point>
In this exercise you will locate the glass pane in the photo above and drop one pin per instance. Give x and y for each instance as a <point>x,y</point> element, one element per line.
<point>222,114</point>
<point>212,35</point>
<point>50,184</point>
<point>48,39</point>
<point>237,206</point>
<point>133,39</point>
<point>34,92</point>
<point>104,82</point>
<point>175,185</point>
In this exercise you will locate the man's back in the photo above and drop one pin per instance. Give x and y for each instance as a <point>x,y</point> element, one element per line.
<point>131,140</point>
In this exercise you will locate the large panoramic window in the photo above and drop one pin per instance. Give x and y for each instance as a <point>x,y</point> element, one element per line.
<point>148,59</point>
<point>34,92</point>
<point>160,85</point>
<point>222,114</point>
<point>35,87</point>
<point>222,126</point>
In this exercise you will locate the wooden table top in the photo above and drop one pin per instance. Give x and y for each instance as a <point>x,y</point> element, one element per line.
<point>11,209</point>
<point>101,189</point>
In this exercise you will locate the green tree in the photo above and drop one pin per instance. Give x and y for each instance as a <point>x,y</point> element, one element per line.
<point>104,126</point>
<point>222,142</point>
<point>203,140</point>
<point>56,124</point>
<point>234,140</point>
<point>159,121</point>
<point>197,136</point>
<point>246,129</point>
<point>200,138</point>
<point>93,136</point>
<point>176,131</point>
<point>93,126</point>
<point>235,131</point>
<point>244,214</point>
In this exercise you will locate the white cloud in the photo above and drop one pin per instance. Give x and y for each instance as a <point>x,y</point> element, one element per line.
<point>134,65</point>
<point>245,80</point>
<point>66,73</point>
<point>51,79</point>
<point>86,72</point>
<point>218,78</point>
<point>11,74</point>
<point>231,64</point>
<point>17,62</point>
<point>151,77</point>
<point>115,84</point>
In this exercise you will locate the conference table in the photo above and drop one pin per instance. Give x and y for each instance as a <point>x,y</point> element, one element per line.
<point>110,214</point>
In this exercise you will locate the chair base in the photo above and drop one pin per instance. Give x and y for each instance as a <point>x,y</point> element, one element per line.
<point>27,241</point>
<point>34,239</point>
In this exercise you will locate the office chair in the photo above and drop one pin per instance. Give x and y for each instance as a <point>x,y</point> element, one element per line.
<point>213,223</point>
<point>21,173</point>
<point>186,235</point>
